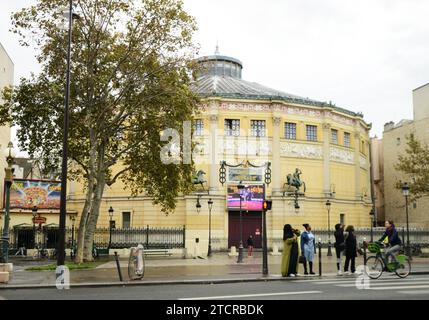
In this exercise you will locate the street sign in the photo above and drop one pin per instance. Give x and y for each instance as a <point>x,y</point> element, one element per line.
<point>39,220</point>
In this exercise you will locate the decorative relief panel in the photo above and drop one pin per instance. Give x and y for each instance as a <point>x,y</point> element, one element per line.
<point>301,150</point>
<point>341,155</point>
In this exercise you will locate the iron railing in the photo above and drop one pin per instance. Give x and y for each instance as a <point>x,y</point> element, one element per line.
<point>150,237</point>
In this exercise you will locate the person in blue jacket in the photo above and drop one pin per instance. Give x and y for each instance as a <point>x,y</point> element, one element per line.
<point>307,247</point>
<point>392,235</point>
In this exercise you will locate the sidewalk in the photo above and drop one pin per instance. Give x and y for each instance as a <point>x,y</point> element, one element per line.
<point>218,269</point>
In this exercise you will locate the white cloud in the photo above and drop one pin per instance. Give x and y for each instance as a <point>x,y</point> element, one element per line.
<point>363,55</point>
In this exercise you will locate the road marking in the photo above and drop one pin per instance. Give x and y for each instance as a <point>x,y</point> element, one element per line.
<point>374,283</point>
<point>401,287</point>
<point>353,280</point>
<point>414,292</point>
<point>252,295</point>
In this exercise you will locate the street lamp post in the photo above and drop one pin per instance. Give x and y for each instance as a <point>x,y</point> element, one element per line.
<point>34,211</point>
<point>8,183</point>
<point>63,196</point>
<point>240,248</point>
<point>328,207</point>
<point>372,215</point>
<point>406,193</point>
<point>110,225</point>
<point>210,204</point>
<point>73,219</point>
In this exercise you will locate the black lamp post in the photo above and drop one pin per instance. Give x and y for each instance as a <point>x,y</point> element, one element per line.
<point>406,193</point>
<point>73,219</point>
<point>328,207</point>
<point>210,204</point>
<point>63,196</point>
<point>372,215</point>
<point>110,225</point>
<point>34,211</point>
<point>8,183</point>
<point>240,248</point>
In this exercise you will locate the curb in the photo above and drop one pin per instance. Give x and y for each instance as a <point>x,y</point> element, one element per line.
<point>175,282</point>
<point>154,282</point>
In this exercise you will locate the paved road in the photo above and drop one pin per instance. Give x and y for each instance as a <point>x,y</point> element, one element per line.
<point>388,287</point>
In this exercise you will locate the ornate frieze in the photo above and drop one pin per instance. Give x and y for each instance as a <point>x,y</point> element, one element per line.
<point>301,150</point>
<point>341,155</point>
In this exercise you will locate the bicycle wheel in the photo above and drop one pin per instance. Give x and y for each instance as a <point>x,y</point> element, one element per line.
<point>404,266</point>
<point>374,267</point>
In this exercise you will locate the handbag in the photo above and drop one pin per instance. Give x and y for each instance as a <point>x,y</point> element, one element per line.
<point>301,259</point>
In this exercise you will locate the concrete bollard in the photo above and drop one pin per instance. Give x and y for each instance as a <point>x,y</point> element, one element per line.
<point>4,277</point>
<point>6,267</point>
<point>233,252</point>
<point>275,251</point>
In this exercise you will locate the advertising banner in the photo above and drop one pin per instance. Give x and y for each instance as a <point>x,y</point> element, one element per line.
<point>252,197</point>
<point>25,194</point>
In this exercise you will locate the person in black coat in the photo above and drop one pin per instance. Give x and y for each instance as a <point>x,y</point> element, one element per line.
<point>339,245</point>
<point>351,250</point>
<point>250,246</point>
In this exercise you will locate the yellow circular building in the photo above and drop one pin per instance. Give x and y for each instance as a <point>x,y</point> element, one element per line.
<point>250,133</point>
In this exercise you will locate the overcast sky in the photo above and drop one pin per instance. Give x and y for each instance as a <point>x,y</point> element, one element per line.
<point>364,55</point>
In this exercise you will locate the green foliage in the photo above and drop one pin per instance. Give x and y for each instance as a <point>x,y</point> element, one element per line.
<point>132,64</point>
<point>415,164</point>
<point>70,265</point>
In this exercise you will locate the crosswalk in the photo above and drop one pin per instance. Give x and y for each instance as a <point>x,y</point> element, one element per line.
<point>415,285</point>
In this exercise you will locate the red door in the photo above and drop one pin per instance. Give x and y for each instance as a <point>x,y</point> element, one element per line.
<point>252,225</point>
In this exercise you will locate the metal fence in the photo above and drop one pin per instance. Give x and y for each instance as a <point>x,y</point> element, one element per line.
<point>150,237</point>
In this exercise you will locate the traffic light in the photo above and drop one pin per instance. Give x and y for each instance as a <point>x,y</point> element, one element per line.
<point>267,205</point>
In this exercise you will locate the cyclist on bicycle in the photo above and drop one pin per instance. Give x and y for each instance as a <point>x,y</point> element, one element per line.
<point>394,241</point>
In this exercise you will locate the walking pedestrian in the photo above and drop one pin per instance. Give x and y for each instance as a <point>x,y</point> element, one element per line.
<point>339,245</point>
<point>290,252</point>
<point>351,250</point>
<point>250,246</point>
<point>308,248</point>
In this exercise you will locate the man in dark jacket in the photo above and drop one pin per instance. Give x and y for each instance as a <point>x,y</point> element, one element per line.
<point>339,245</point>
<point>351,250</point>
<point>395,242</point>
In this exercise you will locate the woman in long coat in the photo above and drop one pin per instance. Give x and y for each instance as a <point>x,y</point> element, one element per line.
<point>290,253</point>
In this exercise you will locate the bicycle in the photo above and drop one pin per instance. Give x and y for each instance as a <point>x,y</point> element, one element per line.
<point>136,263</point>
<point>377,264</point>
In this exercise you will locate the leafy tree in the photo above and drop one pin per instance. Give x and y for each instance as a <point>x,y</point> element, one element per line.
<point>415,164</point>
<point>132,66</point>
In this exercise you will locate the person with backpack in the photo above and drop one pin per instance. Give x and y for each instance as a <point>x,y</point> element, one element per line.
<point>394,241</point>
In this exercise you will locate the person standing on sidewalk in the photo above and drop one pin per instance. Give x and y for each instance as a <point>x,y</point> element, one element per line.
<point>351,250</point>
<point>250,246</point>
<point>290,252</point>
<point>339,245</point>
<point>308,248</point>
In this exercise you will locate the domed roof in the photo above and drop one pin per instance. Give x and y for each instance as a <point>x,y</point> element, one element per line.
<point>220,76</point>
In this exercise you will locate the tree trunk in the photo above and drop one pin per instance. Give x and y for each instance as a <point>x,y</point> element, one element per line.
<point>87,208</point>
<point>83,221</point>
<point>95,207</point>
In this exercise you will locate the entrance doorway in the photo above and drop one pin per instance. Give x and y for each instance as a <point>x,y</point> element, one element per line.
<point>252,225</point>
